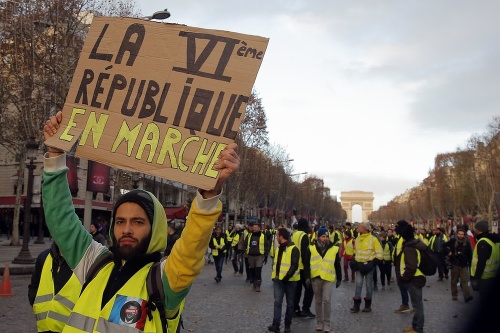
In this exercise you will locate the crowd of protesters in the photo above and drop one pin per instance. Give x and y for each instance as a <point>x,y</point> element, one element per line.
<point>309,258</point>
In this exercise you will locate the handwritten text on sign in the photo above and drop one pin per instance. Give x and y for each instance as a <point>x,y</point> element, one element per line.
<point>159,98</point>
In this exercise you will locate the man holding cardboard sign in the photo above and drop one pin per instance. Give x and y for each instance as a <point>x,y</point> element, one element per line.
<point>115,280</point>
<point>167,100</point>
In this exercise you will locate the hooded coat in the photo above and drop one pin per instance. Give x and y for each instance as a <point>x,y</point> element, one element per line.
<point>81,251</point>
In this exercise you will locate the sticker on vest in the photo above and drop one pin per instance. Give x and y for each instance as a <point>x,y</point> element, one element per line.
<point>129,311</point>
<point>254,243</point>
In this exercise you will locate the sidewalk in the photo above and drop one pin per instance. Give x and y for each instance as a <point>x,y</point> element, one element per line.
<point>8,253</point>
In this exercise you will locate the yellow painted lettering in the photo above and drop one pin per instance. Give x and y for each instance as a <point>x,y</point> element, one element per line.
<point>96,127</point>
<point>71,123</point>
<point>172,137</point>
<point>201,158</point>
<point>128,135</point>
<point>150,138</point>
<point>210,170</point>
<point>183,166</point>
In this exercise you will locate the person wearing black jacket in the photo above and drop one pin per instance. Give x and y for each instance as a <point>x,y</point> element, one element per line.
<point>218,244</point>
<point>172,237</point>
<point>305,272</point>
<point>284,280</point>
<point>459,256</point>
<point>53,290</point>
<point>436,243</point>
<point>257,251</point>
<point>408,274</point>
<point>485,260</point>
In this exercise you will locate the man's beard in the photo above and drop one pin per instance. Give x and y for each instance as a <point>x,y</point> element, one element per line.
<point>128,252</point>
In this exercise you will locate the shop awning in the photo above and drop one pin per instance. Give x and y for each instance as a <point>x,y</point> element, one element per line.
<point>176,212</point>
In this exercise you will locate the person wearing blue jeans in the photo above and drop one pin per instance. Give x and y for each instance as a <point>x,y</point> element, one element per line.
<point>360,280</point>
<point>409,275</point>
<point>218,244</point>
<point>368,251</point>
<point>285,276</point>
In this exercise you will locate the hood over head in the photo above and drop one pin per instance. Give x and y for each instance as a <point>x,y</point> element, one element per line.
<point>156,215</point>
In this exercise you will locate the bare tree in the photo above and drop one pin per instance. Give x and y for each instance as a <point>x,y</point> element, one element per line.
<point>41,43</point>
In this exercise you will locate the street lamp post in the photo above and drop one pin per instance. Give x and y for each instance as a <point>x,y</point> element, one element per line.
<point>24,256</point>
<point>40,239</point>
<point>159,15</point>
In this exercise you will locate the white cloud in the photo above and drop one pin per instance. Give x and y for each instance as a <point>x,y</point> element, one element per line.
<point>365,94</point>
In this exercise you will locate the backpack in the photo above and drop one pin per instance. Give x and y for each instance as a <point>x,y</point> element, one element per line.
<point>241,243</point>
<point>153,285</point>
<point>428,262</point>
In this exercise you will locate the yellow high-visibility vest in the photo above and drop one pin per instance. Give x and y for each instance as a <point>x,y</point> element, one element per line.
<point>324,267</point>
<point>52,311</point>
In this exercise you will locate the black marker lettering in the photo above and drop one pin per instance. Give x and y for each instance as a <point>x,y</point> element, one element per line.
<point>130,46</point>
<point>87,78</point>
<point>100,56</point>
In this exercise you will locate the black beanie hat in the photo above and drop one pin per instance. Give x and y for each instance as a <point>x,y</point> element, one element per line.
<point>140,197</point>
<point>408,232</point>
<point>400,225</point>
<point>303,225</point>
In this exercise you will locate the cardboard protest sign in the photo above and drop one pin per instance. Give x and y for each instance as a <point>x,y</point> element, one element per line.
<point>162,99</point>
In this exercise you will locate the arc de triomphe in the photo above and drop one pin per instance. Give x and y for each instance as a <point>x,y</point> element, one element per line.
<point>364,199</point>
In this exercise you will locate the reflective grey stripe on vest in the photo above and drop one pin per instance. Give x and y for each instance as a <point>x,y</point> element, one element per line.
<point>105,326</point>
<point>284,268</point>
<point>64,301</point>
<point>51,315</point>
<point>41,315</point>
<point>43,298</point>
<point>58,317</point>
<point>81,322</point>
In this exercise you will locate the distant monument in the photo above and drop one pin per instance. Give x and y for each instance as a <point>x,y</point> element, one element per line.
<point>364,199</point>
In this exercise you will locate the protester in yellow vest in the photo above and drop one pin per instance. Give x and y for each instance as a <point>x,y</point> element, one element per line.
<point>238,246</point>
<point>285,276</point>
<point>398,248</point>
<point>436,243</point>
<point>408,274</point>
<point>230,232</point>
<point>385,265</point>
<point>325,270</point>
<point>257,250</point>
<point>485,260</point>
<point>347,252</point>
<point>367,250</point>
<point>53,290</point>
<point>138,233</point>
<point>301,240</point>
<point>219,245</point>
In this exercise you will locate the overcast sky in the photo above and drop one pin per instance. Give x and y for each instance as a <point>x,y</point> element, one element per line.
<point>364,94</point>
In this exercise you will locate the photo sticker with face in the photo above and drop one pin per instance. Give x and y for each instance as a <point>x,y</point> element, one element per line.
<point>129,311</point>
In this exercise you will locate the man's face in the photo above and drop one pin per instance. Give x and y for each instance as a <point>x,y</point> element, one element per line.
<point>218,231</point>
<point>389,232</point>
<point>324,239</point>
<point>132,229</point>
<point>280,239</point>
<point>256,228</point>
<point>461,234</point>
<point>92,229</point>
